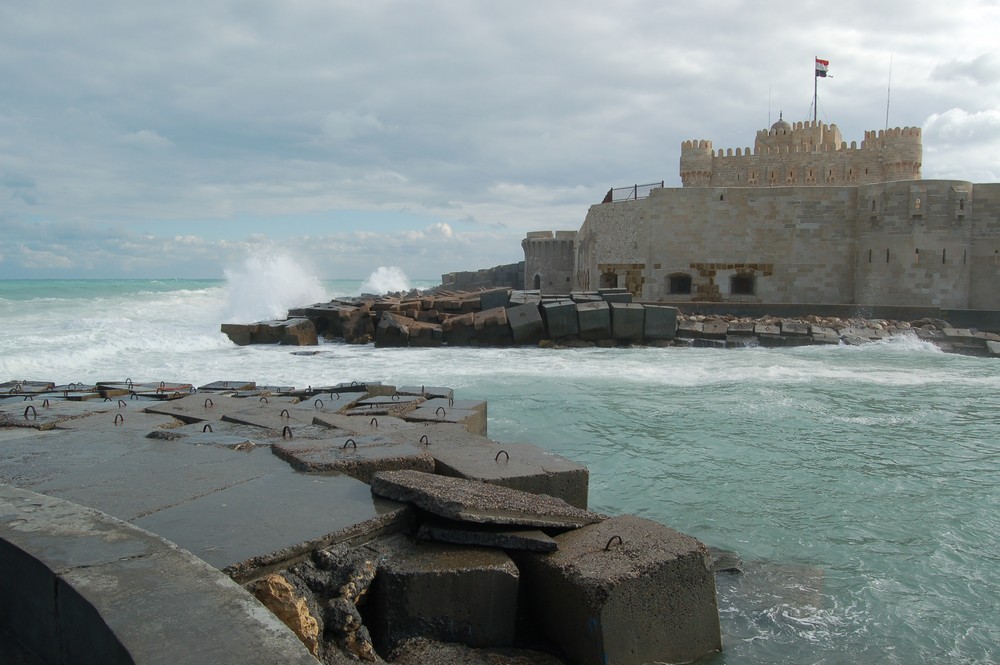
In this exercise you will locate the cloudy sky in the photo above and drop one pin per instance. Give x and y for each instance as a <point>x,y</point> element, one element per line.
<point>174,139</point>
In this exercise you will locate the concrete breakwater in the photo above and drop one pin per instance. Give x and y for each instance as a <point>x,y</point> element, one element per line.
<point>151,521</point>
<point>502,317</point>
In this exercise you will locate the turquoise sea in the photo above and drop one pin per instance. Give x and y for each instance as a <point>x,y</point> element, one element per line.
<point>860,485</point>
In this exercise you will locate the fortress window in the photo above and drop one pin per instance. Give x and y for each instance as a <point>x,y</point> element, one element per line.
<point>537,282</point>
<point>961,204</point>
<point>886,254</point>
<point>869,256</point>
<point>742,285</point>
<point>944,254</point>
<point>680,284</point>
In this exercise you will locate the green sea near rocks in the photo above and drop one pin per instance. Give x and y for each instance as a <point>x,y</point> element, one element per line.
<point>860,486</point>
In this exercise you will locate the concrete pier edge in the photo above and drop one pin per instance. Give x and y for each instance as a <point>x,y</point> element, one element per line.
<point>80,586</point>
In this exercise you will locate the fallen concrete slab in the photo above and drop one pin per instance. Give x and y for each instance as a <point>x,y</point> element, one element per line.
<point>359,457</point>
<point>474,501</point>
<point>462,533</point>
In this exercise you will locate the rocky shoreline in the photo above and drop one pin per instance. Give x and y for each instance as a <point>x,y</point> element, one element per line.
<point>502,317</point>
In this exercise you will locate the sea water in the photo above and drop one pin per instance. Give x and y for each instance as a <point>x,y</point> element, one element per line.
<point>859,485</point>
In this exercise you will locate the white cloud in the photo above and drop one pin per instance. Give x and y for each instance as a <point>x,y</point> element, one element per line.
<point>146,138</point>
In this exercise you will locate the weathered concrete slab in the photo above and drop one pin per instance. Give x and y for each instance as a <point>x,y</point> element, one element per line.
<point>560,318</point>
<point>660,322</point>
<point>471,414</point>
<point>252,520</point>
<point>359,457</point>
<point>714,329</point>
<point>427,392</point>
<point>272,416</point>
<point>740,328</point>
<point>473,501</point>
<point>200,408</point>
<point>627,320</point>
<point>521,466</point>
<point>494,298</point>
<point>43,413</point>
<point>463,533</point>
<point>444,592</point>
<point>764,329</point>
<point>25,387</point>
<point>228,386</point>
<point>626,590</point>
<point>526,324</point>
<point>594,319</point>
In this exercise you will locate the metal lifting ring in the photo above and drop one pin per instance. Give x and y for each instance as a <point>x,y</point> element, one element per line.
<point>207,428</point>
<point>34,411</point>
<point>30,398</point>
<point>352,442</point>
<point>611,540</point>
<point>395,397</point>
<point>440,411</point>
<point>424,440</point>
<point>122,404</point>
<point>286,430</point>
<point>209,403</point>
<point>318,404</point>
<point>264,400</point>
<point>497,458</point>
<point>133,395</point>
<point>45,403</point>
<point>374,423</point>
<point>119,419</point>
<point>284,414</point>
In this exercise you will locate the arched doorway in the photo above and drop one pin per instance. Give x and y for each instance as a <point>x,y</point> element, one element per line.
<point>537,282</point>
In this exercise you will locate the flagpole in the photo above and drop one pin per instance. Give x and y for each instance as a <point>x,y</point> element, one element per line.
<point>815,87</point>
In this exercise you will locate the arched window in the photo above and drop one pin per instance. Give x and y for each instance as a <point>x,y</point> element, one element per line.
<point>537,282</point>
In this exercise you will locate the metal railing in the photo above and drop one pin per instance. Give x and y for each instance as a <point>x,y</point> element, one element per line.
<point>633,193</point>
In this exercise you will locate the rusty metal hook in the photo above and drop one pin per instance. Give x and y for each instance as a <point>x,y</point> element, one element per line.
<point>424,440</point>
<point>34,411</point>
<point>286,430</point>
<point>263,399</point>
<point>318,404</point>
<point>442,410</point>
<point>119,419</point>
<point>45,403</point>
<point>374,423</point>
<point>284,414</point>
<point>208,428</point>
<point>497,458</point>
<point>352,442</point>
<point>30,398</point>
<point>128,382</point>
<point>607,547</point>
<point>122,404</point>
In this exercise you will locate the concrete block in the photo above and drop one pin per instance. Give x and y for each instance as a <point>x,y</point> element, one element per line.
<point>560,318</point>
<point>459,330</point>
<point>715,329</point>
<point>627,321</point>
<point>618,295</point>
<point>526,324</point>
<point>494,298</point>
<point>521,466</point>
<point>660,322</point>
<point>299,332</point>
<point>736,328</point>
<point>358,457</point>
<point>470,413</point>
<point>594,319</point>
<point>690,329</point>
<point>740,341</point>
<point>492,328</point>
<point>393,330</point>
<point>443,592</point>
<point>626,590</point>
<point>795,328</point>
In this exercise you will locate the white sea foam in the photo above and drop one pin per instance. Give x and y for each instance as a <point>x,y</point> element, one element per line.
<point>386,279</point>
<point>267,285</point>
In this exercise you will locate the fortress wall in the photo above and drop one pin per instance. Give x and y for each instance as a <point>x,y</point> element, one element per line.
<point>984,253</point>
<point>610,234</point>
<point>913,244</point>
<point>796,242</point>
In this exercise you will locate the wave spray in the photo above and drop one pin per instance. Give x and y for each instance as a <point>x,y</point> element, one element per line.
<point>267,285</point>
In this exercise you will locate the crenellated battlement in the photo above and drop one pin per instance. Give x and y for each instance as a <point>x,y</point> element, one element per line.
<point>804,153</point>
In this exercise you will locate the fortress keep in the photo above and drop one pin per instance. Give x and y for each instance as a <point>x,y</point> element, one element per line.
<point>803,217</point>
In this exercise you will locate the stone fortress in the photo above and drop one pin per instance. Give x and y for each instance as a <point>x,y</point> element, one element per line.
<point>801,218</point>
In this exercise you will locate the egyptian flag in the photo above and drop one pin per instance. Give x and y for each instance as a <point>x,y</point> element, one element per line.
<point>821,66</point>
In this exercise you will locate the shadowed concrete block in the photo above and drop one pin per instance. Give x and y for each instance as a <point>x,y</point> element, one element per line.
<point>297,332</point>
<point>714,329</point>
<point>494,298</point>
<point>492,328</point>
<point>740,328</point>
<point>560,318</point>
<point>660,322</point>
<point>763,329</point>
<point>619,295</point>
<point>443,592</point>
<point>460,533</point>
<point>475,501</point>
<point>526,325</point>
<point>459,330</point>
<point>393,330</point>
<point>521,466</point>
<point>626,590</point>
<point>425,334</point>
<point>627,320</point>
<point>594,319</point>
